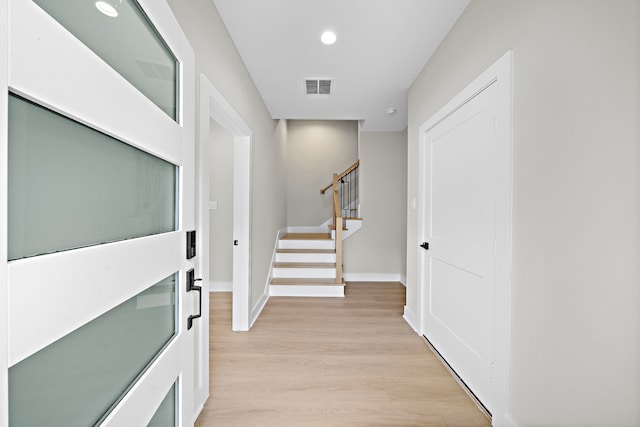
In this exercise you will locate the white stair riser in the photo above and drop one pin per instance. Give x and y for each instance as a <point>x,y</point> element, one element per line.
<point>315,273</point>
<point>306,244</point>
<point>285,257</point>
<point>306,291</point>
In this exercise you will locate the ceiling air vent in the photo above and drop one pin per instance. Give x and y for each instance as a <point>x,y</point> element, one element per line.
<point>318,86</point>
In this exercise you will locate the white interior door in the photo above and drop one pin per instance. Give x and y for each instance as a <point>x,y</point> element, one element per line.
<point>96,276</point>
<point>460,229</point>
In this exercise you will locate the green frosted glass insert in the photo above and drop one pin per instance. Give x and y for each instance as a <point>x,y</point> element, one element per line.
<point>71,186</point>
<point>165,416</point>
<point>78,379</point>
<point>127,42</point>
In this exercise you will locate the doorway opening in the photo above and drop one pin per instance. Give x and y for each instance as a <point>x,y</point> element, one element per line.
<point>213,106</point>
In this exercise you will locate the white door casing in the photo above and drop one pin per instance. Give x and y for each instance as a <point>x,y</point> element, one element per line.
<point>465,190</point>
<point>4,305</point>
<point>50,67</point>
<point>214,106</point>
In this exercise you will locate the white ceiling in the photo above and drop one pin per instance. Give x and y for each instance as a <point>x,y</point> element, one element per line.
<point>382,46</point>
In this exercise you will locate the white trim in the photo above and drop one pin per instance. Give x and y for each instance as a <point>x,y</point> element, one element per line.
<point>310,273</point>
<point>276,245</point>
<point>410,317</point>
<point>257,309</point>
<point>403,280</point>
<point>352,225</point>
<point>499,74</point>
<point>220,286</point>
<point>310,229</point>
<point>306,291</point>
<point>372,277</point>
<point>213,105</point>
<point>4,312</point>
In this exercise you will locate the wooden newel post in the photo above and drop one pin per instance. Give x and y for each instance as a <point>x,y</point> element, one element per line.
<point>337,226</point>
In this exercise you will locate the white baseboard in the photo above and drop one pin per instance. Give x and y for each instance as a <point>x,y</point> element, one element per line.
<point>220,286</point>
<point>199,409</point>
<point>257,309</point>
<point>403,280</point>
<point>371,277</point>
<point>410,317</point>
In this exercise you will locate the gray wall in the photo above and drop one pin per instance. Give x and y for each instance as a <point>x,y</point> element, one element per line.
<point>575,339</point>
<point>379,247</point>
<point>221,191</point>
<point>316,149</point>
<point>218,59</point>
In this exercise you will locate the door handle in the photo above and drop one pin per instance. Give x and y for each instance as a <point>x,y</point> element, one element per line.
<point>425,246</point>
<point>191,286</point>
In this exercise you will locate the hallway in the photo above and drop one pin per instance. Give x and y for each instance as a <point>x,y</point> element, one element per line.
<point>330,362</point>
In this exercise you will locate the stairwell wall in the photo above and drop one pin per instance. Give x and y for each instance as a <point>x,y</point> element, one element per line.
<point>316,149</point>
<point>575,328</point>
<point>217,57</point>
<point>377,251</point>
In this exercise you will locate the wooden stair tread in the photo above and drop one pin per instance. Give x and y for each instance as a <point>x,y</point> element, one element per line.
<point>285,281</point>
<point>304,265</point>
<point>306,251</point>
<point>306,236</point>
<point>332,227</point>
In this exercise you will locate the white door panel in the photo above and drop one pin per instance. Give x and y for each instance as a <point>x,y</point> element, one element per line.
<point>453,296</point>
<point>459,266</point>
<point>50,296</point>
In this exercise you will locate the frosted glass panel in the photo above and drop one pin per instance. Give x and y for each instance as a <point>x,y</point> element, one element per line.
<point>71,186</point>
<point>127,42</point>
<point>165,416</point>
<point>78,379</point>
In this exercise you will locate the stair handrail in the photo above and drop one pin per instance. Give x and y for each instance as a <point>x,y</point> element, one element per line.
<point>346,172</point>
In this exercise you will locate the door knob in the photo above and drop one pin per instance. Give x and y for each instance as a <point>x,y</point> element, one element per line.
<point>425,246</point>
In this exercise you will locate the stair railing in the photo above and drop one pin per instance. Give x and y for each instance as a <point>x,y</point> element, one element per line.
<point>345,202</point>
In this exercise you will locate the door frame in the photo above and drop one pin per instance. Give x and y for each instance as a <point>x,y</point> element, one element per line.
<point>213,105</point>
<point>4,142</point>
<point>499,74</point>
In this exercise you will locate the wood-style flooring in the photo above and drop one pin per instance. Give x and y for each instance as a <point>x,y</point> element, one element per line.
<point>330,362</point>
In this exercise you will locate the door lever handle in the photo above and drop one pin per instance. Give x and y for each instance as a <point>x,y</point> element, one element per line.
<point>191,280</point>
<point>425,246</point>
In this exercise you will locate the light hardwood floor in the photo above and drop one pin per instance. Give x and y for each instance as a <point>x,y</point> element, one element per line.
<point>330,362</point>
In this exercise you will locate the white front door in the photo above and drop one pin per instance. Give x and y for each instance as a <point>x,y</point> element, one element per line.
<point>460,230</point>
<point>100,179</point>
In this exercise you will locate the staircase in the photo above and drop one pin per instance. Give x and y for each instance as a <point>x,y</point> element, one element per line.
<point>310,264</point>
<point>305,266</point>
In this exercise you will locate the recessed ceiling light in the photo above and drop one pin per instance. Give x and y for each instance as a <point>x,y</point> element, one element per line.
<point>328,37</point>
<point>391,111</point>
<point>109,8</point>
